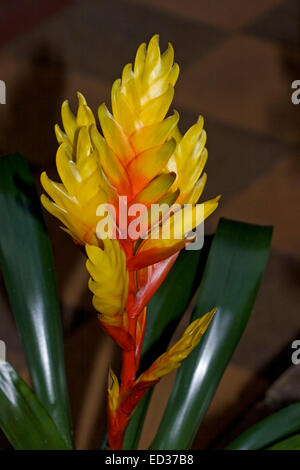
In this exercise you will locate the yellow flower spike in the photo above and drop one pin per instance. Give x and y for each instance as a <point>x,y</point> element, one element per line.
<point>113,391</point>
<point>171,359</point>
<point>109,281</point>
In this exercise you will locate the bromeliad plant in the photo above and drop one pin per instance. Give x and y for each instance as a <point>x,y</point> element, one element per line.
<point>141,160</point>
<point>141,285</point>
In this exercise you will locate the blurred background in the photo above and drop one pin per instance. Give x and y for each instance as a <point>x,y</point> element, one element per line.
<point>238,60</point>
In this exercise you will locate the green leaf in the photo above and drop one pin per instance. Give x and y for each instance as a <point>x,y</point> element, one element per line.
<point>165,310</point>
<point>232,275</point>
<point>23,419</point>
<point>273,428</point>
<point>28,270</point>
<point>291,443</point>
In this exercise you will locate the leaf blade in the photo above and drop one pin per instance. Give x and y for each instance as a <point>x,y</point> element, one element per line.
<point>273,428</point>
<point>291,443</point>
<point>232,275</point>
<point>28,270</point>
<point>23,419</point>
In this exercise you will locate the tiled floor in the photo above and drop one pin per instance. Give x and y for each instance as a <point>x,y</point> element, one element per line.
<point>226,14</point>
<point>238,60</point>
<point>242,83</point>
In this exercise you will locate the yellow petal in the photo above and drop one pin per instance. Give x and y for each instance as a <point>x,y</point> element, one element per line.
<point>196,192</point>
<point>84,148</point>
<point>57,192</point>
<point>61,136</point>
<point>140,60</point>
<point>156,109</point>
<point>152,60</point>
<point>69,120</point>
<point>154,135</point>
<point>67,170</point>
<point>123,112</point>
<point>167,60</point>
<point>114,135</point>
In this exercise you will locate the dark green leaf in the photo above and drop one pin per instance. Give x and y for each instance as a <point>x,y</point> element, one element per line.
<point>232,275</point>
<point>271,429</point>
<point>23,419</point>
<point>164,312</point>
<point>28,271</point>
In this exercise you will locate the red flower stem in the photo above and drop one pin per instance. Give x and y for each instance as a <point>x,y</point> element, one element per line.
<point>119,420</point>
<point>128,371</point>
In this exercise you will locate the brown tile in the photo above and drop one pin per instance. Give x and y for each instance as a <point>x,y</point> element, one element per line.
<point>88,354</point>
<point>236,157</point>
<point>238,389</point>
<point>279,24</point>
<point>274,324</point>
<point>17,17</point>
<point>163,389</point>
<point>35,92</point>
<point>281,393</point>
<point>228,14</point>
<point>100,37</point>
<point>273,199</point>
<point>286,388</point>
<point>244,84</point>
<point>156,410</point>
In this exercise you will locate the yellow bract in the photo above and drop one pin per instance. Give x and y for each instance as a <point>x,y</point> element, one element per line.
<point>171,359</point>
<point>188,162</point>
<point>113,391</point>
<point>109,281</point>
<point>144,94</point>
<point>71,123</point>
